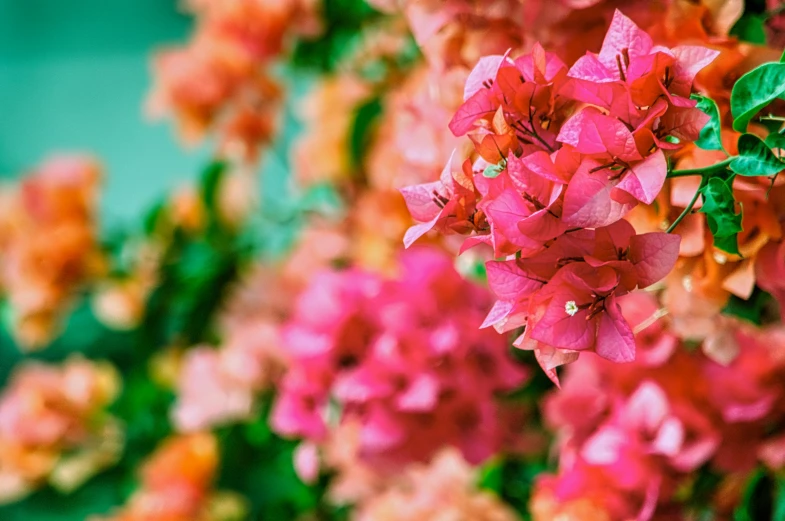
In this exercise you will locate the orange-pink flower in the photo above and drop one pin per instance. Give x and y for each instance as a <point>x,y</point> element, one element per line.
<point>53,426</point>
<point>48,237</point>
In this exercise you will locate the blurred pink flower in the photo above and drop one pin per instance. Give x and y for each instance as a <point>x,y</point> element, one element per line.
<point>402,357</point>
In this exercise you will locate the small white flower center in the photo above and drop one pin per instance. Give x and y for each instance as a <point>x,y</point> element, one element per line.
<point>719,258</point>
<point>570,307</point>
<point>687,283</point>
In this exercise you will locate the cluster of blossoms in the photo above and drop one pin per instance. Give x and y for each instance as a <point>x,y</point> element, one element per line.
<point>217,386</point>
<point>629,440</point>
<point>48,238</point>
<point>221,80</point>
<point>399,356</point>
<point>54,428</point>
<point>565,154</point>
<point>444,489</point>
<point>176,485</point>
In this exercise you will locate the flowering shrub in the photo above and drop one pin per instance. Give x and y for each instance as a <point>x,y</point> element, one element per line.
<point>582,177</point>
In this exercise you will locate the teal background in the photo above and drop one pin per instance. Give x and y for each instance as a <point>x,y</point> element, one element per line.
<point>73,77</point>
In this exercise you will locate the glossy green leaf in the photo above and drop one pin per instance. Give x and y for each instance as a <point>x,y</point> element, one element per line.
<point>775,140</point>
<point>711,135</point>
<point>755,158</point>
<point>755,90</point>
<point>720,209</point>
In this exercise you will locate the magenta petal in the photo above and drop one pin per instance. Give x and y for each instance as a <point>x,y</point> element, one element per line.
<point>653,255</point>
<point>485,70</point>
<point>623,35</point>
<point>592,132</point>
<point>381,431</point>
<point>589,68</point>
<point>615,341</point>
<point>560,329</point>
<point>588,202</point>
<point>419,200</point>
<point>421,395</point>
<point>646,178</point>
<point>418,230</point>
<point>509,282</point>
<point>690,60</point>
<point>474,108</point>
<point>504,212</point>
<point>501,309</point>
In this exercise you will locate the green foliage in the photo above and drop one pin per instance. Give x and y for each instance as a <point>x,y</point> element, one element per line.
<point>343,22</point>
<point>97,496</point>
<point>775,140</point>
<point>258,464</point>
<point>711,134</point>
<point>752,310</point>
<point>756,503</point>
<point>750,28</point>
<point>755,158</point>
<point>513,481</point>
<point>754,91</point>
<point>366,117</point>
<point>720,209</point>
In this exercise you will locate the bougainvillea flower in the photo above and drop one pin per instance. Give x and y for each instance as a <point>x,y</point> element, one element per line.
<point>49,243</point>
<point>176,485</point>
<point>448,204</point>
<point>401,357</point>
<point>444,488</point>
<point>630,72</point>
<point>54,427</point>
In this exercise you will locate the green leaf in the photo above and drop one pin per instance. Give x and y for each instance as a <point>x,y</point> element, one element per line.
<point>779,500</point>
<point>775,140</point>
<point>750,28</point>
<point>491,475</point>
<point>711,135</point>
<point>755,90</point>
<point>756,502</point>
<point>366,118</point>
<point>720,209</point>
<point>752,309</point>
<point>755,158</point>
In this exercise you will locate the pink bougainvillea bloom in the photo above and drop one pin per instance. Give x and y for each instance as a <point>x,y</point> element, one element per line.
<point>567,295</point>
<point>564,155</point>
<point>447,204</point>
<point>400,357</point>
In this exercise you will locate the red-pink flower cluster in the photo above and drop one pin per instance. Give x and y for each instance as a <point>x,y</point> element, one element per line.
<point>630,438</point>
<point>403,357</point>
<point>564,155</point>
